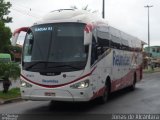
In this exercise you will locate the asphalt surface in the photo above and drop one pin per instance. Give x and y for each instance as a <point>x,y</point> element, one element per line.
<point>144,100</point>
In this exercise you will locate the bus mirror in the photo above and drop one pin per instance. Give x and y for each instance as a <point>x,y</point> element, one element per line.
<point>87,38</point>
<point>14,39</point>
<point>16,34</point>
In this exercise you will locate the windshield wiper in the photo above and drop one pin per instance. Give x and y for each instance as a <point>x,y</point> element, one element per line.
<point>58,66</point>
<point>78,68</point>
<point>34,64</point>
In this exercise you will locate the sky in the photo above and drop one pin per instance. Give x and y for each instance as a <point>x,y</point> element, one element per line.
<point>129,16</point>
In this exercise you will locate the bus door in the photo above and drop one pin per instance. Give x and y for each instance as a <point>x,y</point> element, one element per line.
<point>94,65</point>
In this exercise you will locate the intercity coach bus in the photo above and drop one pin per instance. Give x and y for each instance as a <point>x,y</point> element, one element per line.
<point>73,55</point>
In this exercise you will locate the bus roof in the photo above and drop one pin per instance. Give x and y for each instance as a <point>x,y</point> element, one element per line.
<point>81,16</point>
<point>71,15</point>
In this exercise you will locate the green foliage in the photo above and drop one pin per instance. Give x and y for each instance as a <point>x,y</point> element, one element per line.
<point>9,70</point>
<point>5,35</point>
<point>16,49</point>
<point>4,11</point>
<point>5,32</point>
<point>13,50</point>
<point>13,93</point>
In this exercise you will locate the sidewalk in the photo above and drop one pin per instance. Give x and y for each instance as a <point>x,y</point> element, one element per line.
<point>15,83</point>
<point>157,69</point>
<point>10,100</point>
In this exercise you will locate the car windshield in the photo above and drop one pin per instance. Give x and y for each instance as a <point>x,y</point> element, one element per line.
<point>51,45</point>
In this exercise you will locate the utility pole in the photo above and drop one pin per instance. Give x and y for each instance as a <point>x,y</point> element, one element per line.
<point>147,6</point>
<point>103,9</point>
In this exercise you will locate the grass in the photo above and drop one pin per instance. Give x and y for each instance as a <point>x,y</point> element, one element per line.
<point>12,93</point>
<point>157,69</point>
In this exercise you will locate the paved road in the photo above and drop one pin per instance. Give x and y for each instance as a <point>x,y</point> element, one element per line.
<point>145,99</point>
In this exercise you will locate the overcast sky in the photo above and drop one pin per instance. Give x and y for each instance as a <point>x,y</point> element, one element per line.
<point>129,16</point>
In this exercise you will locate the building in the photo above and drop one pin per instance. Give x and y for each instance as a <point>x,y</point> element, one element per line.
<point>154,55</point>
<point>154,51</point>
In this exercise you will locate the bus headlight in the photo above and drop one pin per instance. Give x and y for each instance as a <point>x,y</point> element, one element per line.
<point>81,85</point>
<point>25,84</point>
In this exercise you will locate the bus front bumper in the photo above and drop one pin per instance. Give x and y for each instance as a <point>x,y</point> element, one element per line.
<point>57,95</point>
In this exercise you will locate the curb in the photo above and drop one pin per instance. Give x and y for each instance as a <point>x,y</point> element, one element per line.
<point>10,100</point>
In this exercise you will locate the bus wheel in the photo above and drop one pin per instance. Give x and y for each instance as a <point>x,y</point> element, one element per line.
<point>103,99</point>
<point>133,86</point>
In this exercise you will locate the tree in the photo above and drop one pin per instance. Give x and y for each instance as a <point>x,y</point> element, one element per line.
<point>83,8</point>
<point>16,49</point>
<point>8,70</point>
<point>5,35</point>
<point>5,32</point>
<point>4,11</point>
<point>16,52</point>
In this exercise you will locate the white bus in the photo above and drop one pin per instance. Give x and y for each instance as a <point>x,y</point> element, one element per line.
<point>73,55</point>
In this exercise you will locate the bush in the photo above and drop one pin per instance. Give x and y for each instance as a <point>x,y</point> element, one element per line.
<point>12,93</point>
<point>9,70</point>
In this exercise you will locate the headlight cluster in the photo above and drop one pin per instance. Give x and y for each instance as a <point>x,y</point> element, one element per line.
<point>81,85</point>
<point>25,84</point>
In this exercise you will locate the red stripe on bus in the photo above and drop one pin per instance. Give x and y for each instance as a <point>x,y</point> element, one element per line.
<point>99,93</point>
<point>61,85</point>
<point>126,80</point>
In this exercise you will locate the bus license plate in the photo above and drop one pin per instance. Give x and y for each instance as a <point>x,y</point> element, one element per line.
<point>49,94</point>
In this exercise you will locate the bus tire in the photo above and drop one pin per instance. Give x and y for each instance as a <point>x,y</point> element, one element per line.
<point>133,86</point>
<point>103,99</point>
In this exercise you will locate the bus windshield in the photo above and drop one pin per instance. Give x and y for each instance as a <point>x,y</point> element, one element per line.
<point>51,45</point>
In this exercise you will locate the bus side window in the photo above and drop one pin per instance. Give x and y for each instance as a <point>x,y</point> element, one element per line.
<point>103,44</point>
<point>94,56</point>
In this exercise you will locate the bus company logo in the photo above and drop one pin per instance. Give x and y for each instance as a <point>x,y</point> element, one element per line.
<point>120,60</point>
<point>49,81</point>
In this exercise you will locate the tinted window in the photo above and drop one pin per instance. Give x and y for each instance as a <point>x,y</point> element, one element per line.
<point>55,44</point>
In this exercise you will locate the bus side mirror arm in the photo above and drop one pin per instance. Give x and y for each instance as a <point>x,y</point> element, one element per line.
<point>87,38</point>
